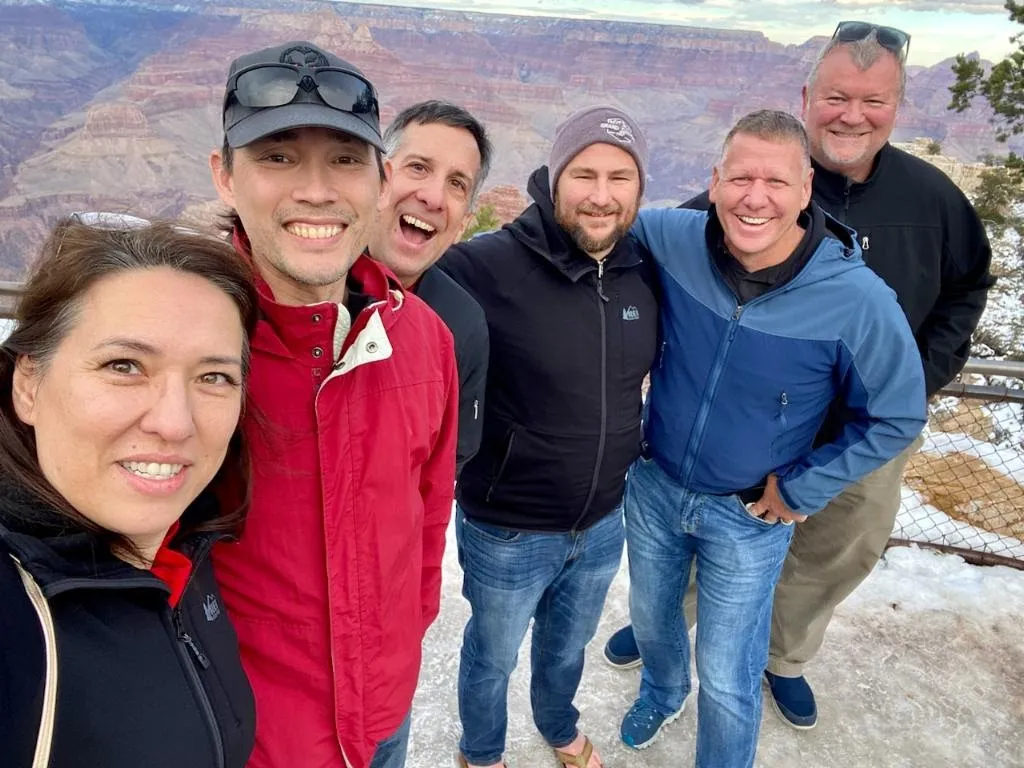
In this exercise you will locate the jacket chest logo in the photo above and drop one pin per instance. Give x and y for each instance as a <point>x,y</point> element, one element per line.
<point>211,608</point>
<point>630,313</point>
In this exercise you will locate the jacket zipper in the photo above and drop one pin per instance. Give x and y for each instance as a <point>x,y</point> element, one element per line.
<point>689,460</point>
<point>701,422</point>
<point>846,200</point>
<point>336,373</point>
<point>602,300</point>
<point>501,467</point>
<point>184,640</point>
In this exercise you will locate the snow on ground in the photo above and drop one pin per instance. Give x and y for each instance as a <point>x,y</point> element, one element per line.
<point>922,666</point>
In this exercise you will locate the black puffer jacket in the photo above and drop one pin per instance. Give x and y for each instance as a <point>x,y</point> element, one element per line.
<point>138,684</point>
<point>570,344</point>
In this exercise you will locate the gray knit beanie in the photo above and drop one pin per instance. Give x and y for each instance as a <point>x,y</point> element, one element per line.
<point>593,125</point>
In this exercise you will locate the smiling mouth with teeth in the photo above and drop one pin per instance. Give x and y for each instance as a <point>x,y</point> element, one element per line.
<point>756,220</point>
<point>310,232</point>
<point>415,229</point>
<point>151,470</point>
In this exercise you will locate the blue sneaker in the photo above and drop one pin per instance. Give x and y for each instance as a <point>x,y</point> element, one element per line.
<point>620,651</point>
<point>643,723</point>
<point>793,700</point>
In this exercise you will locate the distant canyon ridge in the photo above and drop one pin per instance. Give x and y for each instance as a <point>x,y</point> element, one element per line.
<point>116,105</point>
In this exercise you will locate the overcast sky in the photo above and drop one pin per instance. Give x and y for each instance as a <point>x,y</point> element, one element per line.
<point>939,29</point>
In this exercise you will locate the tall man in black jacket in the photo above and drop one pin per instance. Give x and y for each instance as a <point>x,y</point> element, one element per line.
<point>572,315</point>
<point>921,235</point>
<point>438,156</point>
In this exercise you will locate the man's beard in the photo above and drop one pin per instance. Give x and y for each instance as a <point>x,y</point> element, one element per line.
<point>586,242</point>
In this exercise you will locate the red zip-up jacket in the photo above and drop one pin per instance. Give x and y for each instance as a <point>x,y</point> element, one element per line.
<point>338,572</point>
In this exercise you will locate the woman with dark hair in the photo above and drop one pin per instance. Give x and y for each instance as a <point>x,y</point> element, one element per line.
<point>121,389</point>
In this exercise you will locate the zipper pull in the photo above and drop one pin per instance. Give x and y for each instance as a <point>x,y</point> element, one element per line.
<point>186,638</point>
<point>739,311</point>
<point>600,284</point>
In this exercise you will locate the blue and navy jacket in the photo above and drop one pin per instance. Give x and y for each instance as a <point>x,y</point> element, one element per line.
<point>740,391</point>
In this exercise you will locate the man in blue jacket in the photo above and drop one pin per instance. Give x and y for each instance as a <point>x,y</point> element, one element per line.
<point>768,313</point>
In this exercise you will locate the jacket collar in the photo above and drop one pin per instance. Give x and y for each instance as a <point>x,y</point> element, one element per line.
<point>537,229</point>
<point>296,326</point>
<point>61,560</point>
<point>832,186</point>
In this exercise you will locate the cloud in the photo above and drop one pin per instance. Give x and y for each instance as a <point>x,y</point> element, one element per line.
<point>925,6</point>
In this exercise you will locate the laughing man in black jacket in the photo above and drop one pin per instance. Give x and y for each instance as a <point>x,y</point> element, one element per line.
<point>438,156</point>
<point>572,315</point>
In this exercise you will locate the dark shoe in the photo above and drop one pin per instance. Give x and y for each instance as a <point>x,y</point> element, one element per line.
<point>620,651</point>
<point>793,700</point>
<point>643,723</point>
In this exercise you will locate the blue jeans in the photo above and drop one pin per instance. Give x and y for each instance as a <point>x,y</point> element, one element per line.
<point>558,579</point>
<point>739,559</point>
<point>391,752</point>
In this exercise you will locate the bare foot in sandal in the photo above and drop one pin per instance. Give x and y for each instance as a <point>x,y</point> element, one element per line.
<point>580,753</point>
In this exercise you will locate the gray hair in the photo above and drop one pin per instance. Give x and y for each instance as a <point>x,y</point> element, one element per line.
<point>442,113</point>
<point>772,125</point>
<point>865,53</point>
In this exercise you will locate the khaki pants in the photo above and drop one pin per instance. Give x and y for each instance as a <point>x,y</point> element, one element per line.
<point>832,552</point>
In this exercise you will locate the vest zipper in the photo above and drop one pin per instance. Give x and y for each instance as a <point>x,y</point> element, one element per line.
<point>185,641</point>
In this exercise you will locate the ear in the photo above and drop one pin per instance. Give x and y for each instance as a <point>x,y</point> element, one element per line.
<point>384,199</point>
<point>222,180</point>
<point>803,103</point>
<point>713,189</point>
<point>24,388</point>
<point>808,189</point>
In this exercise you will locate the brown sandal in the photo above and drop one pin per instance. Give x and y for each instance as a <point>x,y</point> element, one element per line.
<point>582,760</point>
<point>463,763</point>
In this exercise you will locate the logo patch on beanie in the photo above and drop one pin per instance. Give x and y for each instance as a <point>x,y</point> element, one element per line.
<point>304,56</point>
<point>618,129</point>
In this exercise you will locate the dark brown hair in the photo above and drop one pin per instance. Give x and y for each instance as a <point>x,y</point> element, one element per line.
<point>73,259</point>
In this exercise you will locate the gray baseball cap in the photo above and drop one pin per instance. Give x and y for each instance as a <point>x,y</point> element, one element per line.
<point>297,85</point>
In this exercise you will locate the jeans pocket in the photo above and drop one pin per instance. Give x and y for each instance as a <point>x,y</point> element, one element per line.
<point>494,533</point>
<point>748,513</point>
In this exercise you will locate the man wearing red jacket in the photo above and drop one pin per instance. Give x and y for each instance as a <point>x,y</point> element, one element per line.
<point>352,423</point>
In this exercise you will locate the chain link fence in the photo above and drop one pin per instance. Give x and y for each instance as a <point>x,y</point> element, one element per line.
<point>964,490</point>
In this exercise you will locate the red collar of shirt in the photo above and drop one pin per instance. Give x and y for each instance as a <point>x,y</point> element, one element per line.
<point>172,567</point>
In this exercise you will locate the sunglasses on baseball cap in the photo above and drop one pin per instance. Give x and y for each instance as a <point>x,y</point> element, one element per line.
<point>298,85</point>
<point>890,38</point>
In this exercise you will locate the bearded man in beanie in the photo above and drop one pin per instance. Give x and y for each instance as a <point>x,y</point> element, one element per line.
<point>572,317</point>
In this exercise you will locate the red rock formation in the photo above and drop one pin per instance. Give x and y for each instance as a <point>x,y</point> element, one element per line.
<point>508,202</point>
<point>129,121</point>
